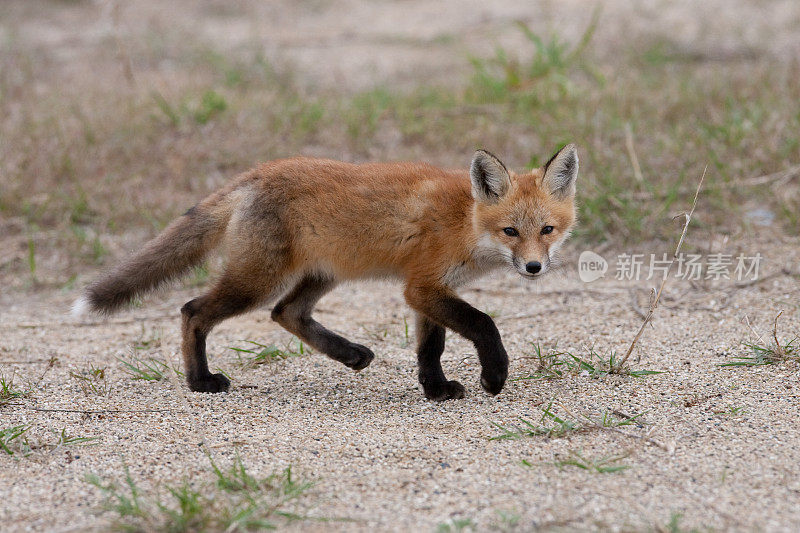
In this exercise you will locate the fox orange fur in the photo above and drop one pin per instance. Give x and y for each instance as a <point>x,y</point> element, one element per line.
<point>293,228</point>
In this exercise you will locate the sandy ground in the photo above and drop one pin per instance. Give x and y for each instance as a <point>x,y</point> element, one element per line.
<point>390,460</point>
<point>726,441</point>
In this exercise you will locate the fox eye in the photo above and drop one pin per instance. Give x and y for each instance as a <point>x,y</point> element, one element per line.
<point>547,229</point>
<point>511,232</point>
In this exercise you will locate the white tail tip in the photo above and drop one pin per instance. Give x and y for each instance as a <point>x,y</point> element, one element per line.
<point>81,307</point>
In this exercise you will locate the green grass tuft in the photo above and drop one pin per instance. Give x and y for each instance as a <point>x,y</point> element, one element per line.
<point>13,441</point>
<point>8,391</point>
<point>768,354</point>
<point>552,425</point>
<point>556,364</point>
<point>146,369</point>
<point>544,79</point>
<point>261,354</point>
<point>236,501</point>
<point>452,525</point>
<point>211,104</point>
<point>64,439</point>
<point>674,525</point>
<point>608,464</point>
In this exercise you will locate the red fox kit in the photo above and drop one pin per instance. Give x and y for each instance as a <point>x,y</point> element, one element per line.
<point>293,228</point>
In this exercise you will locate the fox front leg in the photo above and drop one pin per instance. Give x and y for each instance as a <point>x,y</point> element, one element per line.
<point>444,307</point>
<point>430,345</point>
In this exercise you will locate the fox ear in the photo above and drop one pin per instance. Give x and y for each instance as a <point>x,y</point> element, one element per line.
<point>490,178</point>
<point>561,172</point>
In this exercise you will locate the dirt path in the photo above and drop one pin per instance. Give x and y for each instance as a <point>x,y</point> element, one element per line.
<point>385,457</point>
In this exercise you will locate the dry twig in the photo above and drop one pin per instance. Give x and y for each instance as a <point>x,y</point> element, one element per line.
<point>618,366</point>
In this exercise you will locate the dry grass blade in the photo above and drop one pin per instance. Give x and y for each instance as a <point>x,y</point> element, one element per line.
<point>763,353</point>
<point>619,365</point>
<point>773,179</point>
<point>756,333</point>
<point>637,169</point>
<point>589,423</point>
<point>779,350</point>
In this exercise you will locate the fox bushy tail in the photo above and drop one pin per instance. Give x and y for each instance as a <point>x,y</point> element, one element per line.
<point>182,245</point>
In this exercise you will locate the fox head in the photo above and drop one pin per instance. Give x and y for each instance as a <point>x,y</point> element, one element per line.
<point>522,219</point>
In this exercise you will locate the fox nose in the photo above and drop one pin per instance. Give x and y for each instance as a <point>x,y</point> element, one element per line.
<point>533,267</point>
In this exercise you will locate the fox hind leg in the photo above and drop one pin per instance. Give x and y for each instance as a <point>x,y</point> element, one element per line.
<point>430,345</point>
<point>293,312</point>
<point>237,291</point>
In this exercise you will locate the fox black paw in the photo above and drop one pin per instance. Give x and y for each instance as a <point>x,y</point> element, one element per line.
<point>359,358</point>
<point>210,383</point>
<point>445,390</point>
<point>493,384</point>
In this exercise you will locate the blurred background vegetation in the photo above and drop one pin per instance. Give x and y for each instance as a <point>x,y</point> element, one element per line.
<point>116,117</point>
